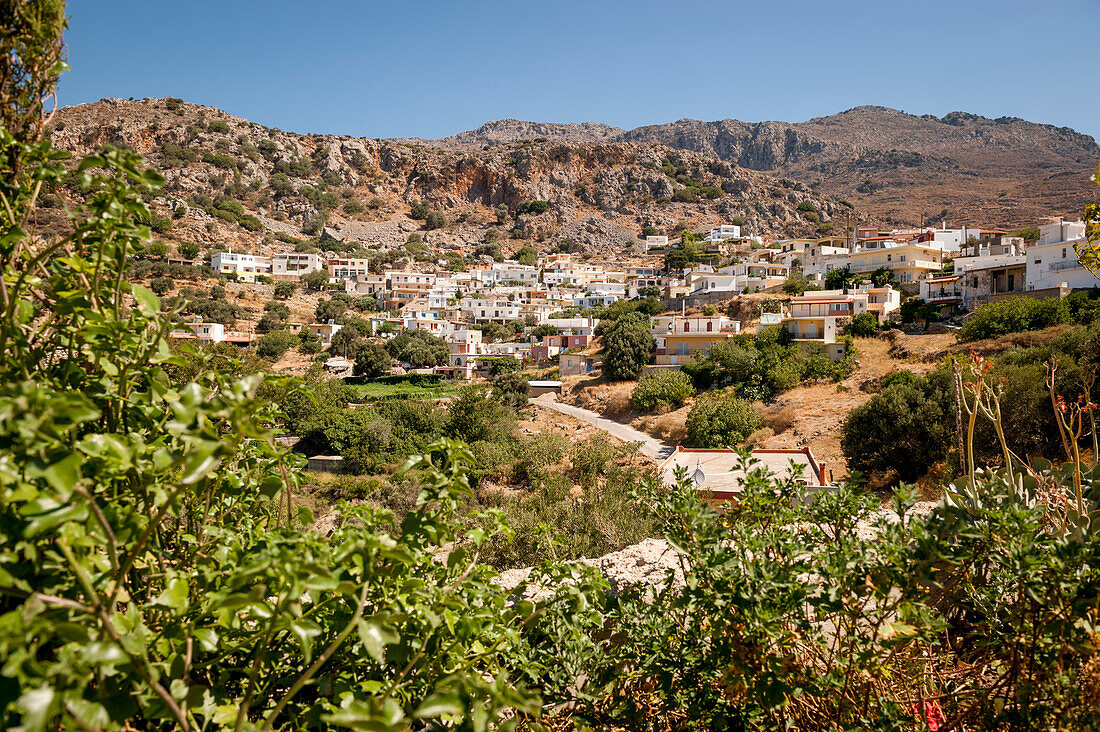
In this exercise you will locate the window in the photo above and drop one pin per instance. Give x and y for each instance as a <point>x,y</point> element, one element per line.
<point>1063,252</point>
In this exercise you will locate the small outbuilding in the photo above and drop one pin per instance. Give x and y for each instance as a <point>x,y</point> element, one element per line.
<point>538,388</point>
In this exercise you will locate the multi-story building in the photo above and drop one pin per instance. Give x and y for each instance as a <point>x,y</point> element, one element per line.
<point>489,311</point>
<point>656,242</point>
<point>246,267</point>
<point>465,345</point>
<point>365,284</point>
<point>344,269</point>
<point>909,262</point>
<point>292,265</point>
<point>405,286</point>
<point>326,330</point>
<point>1052,260</point>
<point>991,269</point>
<point>502,273</point>
<point>681,337</point>
<point>942,291</point>
<point>202,331</point>
<point>816,318</point>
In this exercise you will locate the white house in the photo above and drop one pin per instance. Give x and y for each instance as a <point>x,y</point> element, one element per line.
<point>1052,260</point>
<point>246,267</point>
<point>296,264</point>
<point>204,332</point>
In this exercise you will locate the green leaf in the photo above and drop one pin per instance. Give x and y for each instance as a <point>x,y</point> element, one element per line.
<point>36,707</point>
<point>305,631</point>
<point>439,703</point>
<point>200,463</point>
<point>375,636</point>
<point>147,302</point>
<point>270,485</point>
<point>175,596</point>
<point>305,515</point>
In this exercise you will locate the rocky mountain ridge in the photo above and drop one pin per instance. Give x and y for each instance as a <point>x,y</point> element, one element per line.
<point>906,166</point>
<point>232,180</point>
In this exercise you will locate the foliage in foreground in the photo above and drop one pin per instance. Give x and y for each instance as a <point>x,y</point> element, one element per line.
<point>156,574</point>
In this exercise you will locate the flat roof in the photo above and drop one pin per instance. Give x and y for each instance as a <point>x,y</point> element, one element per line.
<point>719,471</point>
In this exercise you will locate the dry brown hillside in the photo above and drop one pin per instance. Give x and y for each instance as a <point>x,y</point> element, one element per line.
<point>892,165</point>
<point>360,193</point>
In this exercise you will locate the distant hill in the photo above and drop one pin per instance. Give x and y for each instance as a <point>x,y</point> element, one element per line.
<point>237,183</point>
<point>967,168</point>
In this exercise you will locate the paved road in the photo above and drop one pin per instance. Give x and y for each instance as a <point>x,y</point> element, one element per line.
<point>650,447</point>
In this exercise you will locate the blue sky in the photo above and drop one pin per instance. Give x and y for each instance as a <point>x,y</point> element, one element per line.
<point>428,69</point>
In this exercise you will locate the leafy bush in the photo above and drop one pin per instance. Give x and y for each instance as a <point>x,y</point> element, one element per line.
<point>273,345</point>
<point>435,220</point>
<point>475,415</point>
<point>353,206</point>
<point>187,249</point>
<point>721,420</point>
<point>1013,315</point>
<point>661,386</point>
<point>284,289</point>
<point>372,359</point>
<point>419,349</point>
<point>218,125</point>
<point>315,281</point>
<point>512,389</point>
<point>864,325</point>
<point>906,429</point>
<point>162,285</point>
<point>526,256</point>
<point>532,207</point>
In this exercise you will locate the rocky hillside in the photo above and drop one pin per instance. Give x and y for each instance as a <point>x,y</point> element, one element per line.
<point>231,181</point>
<point>964,167</point>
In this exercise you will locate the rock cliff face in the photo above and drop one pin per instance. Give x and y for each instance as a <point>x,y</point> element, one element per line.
<point>967,168</point>
<point>362,191</point>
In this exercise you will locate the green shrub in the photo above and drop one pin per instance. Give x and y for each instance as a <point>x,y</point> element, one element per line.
<point>475,415</point>
<point>162,285</point>
<point>905,430</point>
<point>1013,315</point>
<point>659,387</point>
<point>353,206</point>
<point>864,325</point>
<point>721,420</point>
<point>435,220</point>
<point>187,249</point>
<point>533,456</point>
<point>627,346</point>
<point>218,125</point>
<point>284,289</point>
<point>273,345</point>
<point>532,207</point>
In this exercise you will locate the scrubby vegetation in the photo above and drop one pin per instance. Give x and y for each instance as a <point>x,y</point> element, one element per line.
<point>1016,314</point>
<point>661,387</point>
<point>764,365</point>
<point>161,569</point>
<point>721,420</point>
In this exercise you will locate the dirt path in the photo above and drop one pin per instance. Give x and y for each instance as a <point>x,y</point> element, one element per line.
<point>650,447</point>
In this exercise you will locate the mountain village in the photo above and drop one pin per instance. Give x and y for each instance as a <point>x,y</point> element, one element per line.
<point>953,270</point>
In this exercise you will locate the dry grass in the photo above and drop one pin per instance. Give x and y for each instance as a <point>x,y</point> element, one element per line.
<point>780,421</point>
